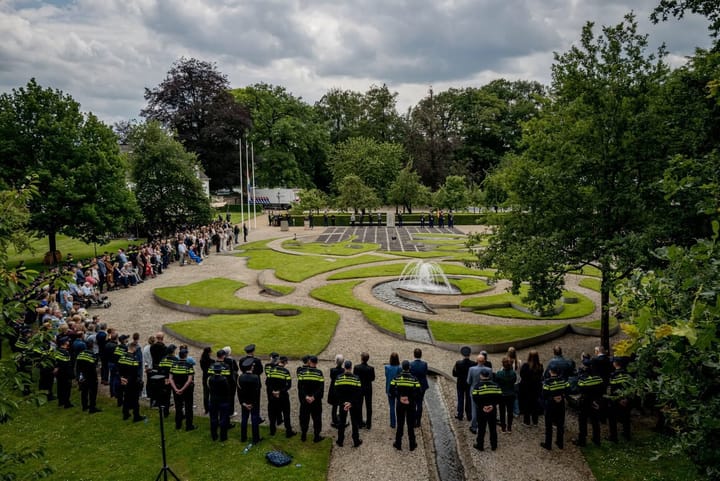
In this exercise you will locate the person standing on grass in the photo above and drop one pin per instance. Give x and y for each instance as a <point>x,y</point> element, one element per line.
<point>278,383</point>
<point>311,385</point>
<point>182,376</point>
<point>128,370</point>
<point>86,364</point>
<point>248,391</point>
<point>366,373</point>
<point>63,372</point>
<point>220,396</point>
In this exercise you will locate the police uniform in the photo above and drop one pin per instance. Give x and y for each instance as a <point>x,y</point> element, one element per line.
<point>181,376</point>
<point>406,390</point>
<point>592,391</point>
<point>221,394</point>
<point>128,371</point>
<point>86,364</point>
<point>248,392</point>
<point>64,375</point>
<point>166,363</point>
<point>348,389</point>
<point>620,405</point>
<point>278,382</point>
<point>486,396</point>
<point>554,391</point>
<point>311,385</point>
<point>117,389</point>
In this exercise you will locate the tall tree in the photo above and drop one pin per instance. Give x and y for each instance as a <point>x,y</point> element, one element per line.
<point>677,8</point>
<point>354,194</point>
<point>194,101</point>
<point>407,190</point>
<point>289,139</point>
<point>167,186</point>
<point>379,118</point>
<point>453,194</point>
<point>586,190</point>
<point>377,164</point>
<point>340,110</point>
<point>81,174</point>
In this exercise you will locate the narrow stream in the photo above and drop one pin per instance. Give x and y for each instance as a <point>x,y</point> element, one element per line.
<point>416,330</point>
<point>447,460</point>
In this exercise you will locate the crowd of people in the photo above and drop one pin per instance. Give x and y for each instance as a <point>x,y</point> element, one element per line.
<point>530,390</point>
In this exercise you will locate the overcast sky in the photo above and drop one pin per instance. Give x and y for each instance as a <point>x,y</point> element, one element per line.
<point>105,52</point>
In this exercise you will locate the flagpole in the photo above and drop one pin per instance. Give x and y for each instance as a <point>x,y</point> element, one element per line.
<point>242,217</point>
<point>247,179</point>
<point>252,157</point>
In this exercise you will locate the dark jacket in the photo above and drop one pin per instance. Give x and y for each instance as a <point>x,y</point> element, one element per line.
<point>366,373</point>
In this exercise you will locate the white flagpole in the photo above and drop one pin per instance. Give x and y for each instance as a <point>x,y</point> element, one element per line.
<point>242,217</point>
<point>252,157</point>
<point>247,179</point>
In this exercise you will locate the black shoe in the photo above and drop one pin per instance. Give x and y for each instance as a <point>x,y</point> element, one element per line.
<point>479,447</point>
<point>334,425</point>
<point>413,446</point>
<point>339,443</point>
<point>231,425</point>
<point>84,408</point>
<point>493,448</point>
<point>367,426</point>
<point>397,446</point>
<point>357,444</point>
<point>259,440</point>
<point>613,440</point>
<point>138,419</point>
<point>272,431</point>
<point>69,405</point>
<point>560,446</point>
<point>94,410</point>
<point>473,430</point>
<point>578,443</point>
<point>50,397</point>
<point>191,428</point>
<point>546,446</point>
<point>362,424</point>
<point>459,418</point>
<point>317,439</point>
<point>303,437</point>
<point>290,434</point>
<point>126,417</point>
<point>214,437</point>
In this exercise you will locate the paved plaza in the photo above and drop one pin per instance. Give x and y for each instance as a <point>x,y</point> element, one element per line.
<point>397,239</point>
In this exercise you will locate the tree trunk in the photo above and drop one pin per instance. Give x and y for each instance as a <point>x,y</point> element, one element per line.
<point>52,240</point>
<point>605,312</point>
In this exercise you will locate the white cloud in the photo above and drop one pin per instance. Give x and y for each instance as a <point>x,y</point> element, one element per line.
<point>105,53</point>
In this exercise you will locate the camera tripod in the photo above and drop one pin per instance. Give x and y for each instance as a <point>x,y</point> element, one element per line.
<point>165,468</point>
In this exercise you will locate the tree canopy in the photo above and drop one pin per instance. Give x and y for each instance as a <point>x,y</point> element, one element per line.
<point>81,174</point>
<point>167,186</point>
<point>194,101</point>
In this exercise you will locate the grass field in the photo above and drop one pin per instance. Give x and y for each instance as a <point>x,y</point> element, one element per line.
<point>335,249</point>
<point>103,447</point>
<point>396,270</point>
<point>214,293</point>
<point>459,333</point>
<point>583,307</point>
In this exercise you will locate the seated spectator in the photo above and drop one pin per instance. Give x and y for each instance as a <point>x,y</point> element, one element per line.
<point>120,277</point>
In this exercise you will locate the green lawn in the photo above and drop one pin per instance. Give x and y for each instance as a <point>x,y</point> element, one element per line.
<point>214,293</point>
<point>583,307</point>
<point>335,249</point>
<point>470,285</point>
<point>452,254</point>
<point>588,271</point>
<point>297,268</point>
<point>79,249</point>
<point>592,283</point>
<point>596,324</point>
<point>103,447</point>
<point>483,334</point>
<point>341,294</point>
<point>293,336</point>
<point>632,461</point>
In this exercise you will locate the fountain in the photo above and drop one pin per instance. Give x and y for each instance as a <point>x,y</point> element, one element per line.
<point>425,277</point>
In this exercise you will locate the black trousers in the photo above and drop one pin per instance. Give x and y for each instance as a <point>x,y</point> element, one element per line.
<point>366,400</point>
<point>314,411</point>
<point>88,394</point>
<point>184,408</point>
<point>588,413</point>
<point>619,413</point>
<point>405,414</point>
<point>555,414</point>
<point>506,412</point>
<point>279,408</point>
<point>487,421</point>
<point>131,400</point>
<point>219,418</point>
<point>64,386</point>
<point>355,414</point>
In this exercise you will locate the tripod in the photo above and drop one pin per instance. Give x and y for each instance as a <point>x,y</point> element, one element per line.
<point>165,468</point>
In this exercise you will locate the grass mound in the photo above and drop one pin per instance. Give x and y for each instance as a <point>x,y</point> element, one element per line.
<point>499,305</point>
<point>216,293</point>
<point>458,333</point>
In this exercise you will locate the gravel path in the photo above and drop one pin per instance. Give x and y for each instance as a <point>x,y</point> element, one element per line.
<point>519,456</point>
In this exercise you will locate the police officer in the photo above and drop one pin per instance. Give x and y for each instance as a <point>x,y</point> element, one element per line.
<point>249,397</point>
<point>348,389</point>
<point>63,372</point>
<point>278,383</point>
<point>592,392</point>
<point>221,394</point>
<point>554,393</point>
<point>128,367</point>
<point>164,366</point>
<point>257,365</point>
<point>620,404</point>
<point>406,389</point>
<point>182,383</point>
<point>311,385</point>
<point>486,395</point>
<point>117,389</point>
<point>234,369</point>
<point>460,371</point>
<point>86,365</point>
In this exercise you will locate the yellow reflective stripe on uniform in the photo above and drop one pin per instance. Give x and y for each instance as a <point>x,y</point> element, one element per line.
<point>487,389</point>
<point>310,376</point>
<point>62,357</point>
<point>86,356</point>
<point>621,379</point>
<point>590,381</point>
<point>128,361</point>
<point>347,381</point>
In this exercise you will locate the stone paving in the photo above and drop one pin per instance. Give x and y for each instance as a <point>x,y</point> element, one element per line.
<point>398,239</point>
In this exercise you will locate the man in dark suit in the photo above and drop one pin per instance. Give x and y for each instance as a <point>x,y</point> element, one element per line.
<point>366,373</point>
<point>419,369</point>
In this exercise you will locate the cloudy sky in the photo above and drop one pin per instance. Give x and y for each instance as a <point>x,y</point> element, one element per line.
<point>105,52</point>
